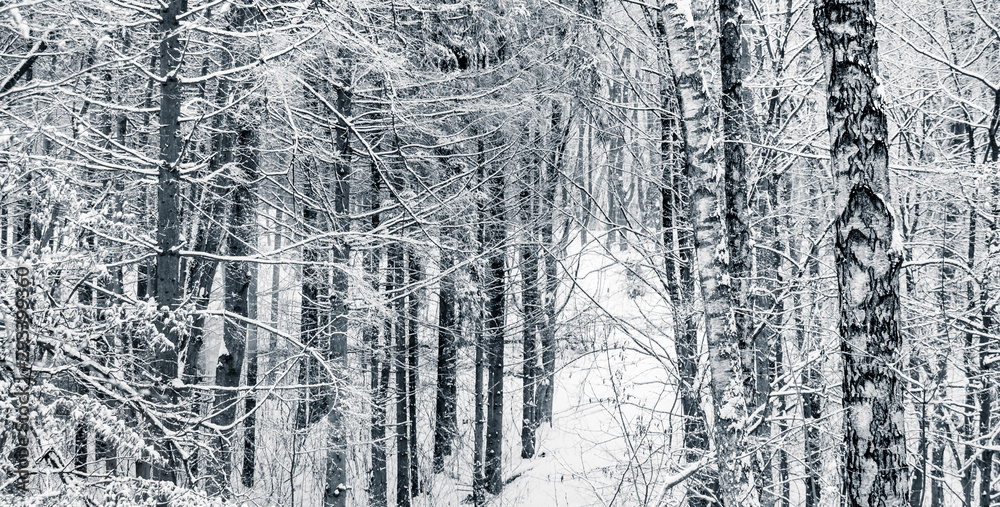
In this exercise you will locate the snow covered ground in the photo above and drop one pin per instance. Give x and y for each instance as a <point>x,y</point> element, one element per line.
<point>609,443</point>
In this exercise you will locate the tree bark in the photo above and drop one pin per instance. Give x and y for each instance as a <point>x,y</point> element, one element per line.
<point>446,420</point>
<point>868,256</point>
<point>678,264</point>
<point>531,306</point>
<point>553,167</point>
<point>495,239</point>
<point>412,380</point>
<point>335,491</point>
<point>690,47</point>
<point>753,347</point>
<point>396,269</point>
<point>169,284</point>
<point>240,242</point>
<point>449,330</point>
<point>479,444</point>
<point>380,361</point>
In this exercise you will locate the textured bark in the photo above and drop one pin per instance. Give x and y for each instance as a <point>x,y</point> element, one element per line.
<point>380,365</point>
<point>169,284</point>
<point>396,269</point>
<point>248,468</point>
<point>495,239</point>
<point>412,379</point>
<point>812,415</point>
<point>768,350</point>
<point>238,143</point>
<point>446,420</point>
<point>680,282</point>
<point>531,311</point>
<point>753,346</point>
<point>559,137</point>
<point>313,324</point>
<point>240,241</point>
<point>969,429</point>
<point>449,330</point>
<point>868,256</point>
<point>479,444</point>
<point>692,48</point>
<point>335,491</point>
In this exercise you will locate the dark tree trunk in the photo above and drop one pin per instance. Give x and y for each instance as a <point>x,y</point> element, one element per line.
<point>238,142</point>
<point>335,491</point>
<point>768,350</point>
<point>240,242</point>
<point>169,285</point>
<point>412,378</point>
<point>495,241</point>
<point>396,269</point>
<point>754,351</point>
<point>313,324</point>
<point>968,429</point>
<point>479,446</point>
<point>868,256</point>
<point>812,414</point>
<point>249,466</point>
<point>380,362</point>
<point>553,167</point>
<point>531,312</point>
<point>446,421</point>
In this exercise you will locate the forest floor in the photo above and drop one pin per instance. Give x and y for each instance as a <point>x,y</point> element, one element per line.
<point>614,398</point>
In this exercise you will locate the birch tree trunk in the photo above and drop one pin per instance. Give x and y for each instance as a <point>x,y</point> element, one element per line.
<point>868,255</point>
<point>693,53</point>
<point>678,264</point>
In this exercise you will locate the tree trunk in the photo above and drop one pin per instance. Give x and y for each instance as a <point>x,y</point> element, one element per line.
<point>240,243</point>
<point>968,429</point>
<point>396,269</point>
<point>553,167</point>
<point>446,420</point>
<point>868,256</point>
<point>479,445</point>
<point>239,143</point>
<point>530,311</point>
<point>380,364</point>
<point>680,282</point>
<point>335,492</point>
<point>754,350</point>
<point>249,466</point>
<point>169,285</point>
<point>495,240</point>
<point>946,274</point>
<point>412,380</point>
<point>689,49</point>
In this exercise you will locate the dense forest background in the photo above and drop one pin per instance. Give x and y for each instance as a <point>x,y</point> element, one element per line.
<point>502,252</point>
